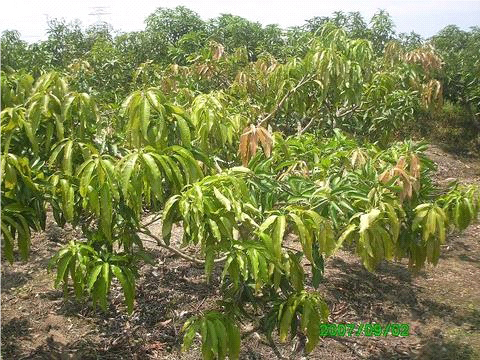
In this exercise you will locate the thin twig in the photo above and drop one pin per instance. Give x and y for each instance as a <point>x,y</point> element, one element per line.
<point>155,219</point>
<point>289,248</point>
<point>274,348</point>
<point>306,126</point>
<point>200,305</point>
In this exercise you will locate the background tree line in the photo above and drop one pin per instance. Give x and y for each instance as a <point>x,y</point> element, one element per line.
<point>103,62</point>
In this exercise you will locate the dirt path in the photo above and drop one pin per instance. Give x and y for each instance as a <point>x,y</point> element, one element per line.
<point>441,304</point>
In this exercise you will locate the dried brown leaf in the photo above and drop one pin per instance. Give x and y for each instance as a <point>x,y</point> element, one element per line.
<point>266,140</point>
<point>243,148</point>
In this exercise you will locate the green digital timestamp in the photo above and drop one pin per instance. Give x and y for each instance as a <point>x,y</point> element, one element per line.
<point>330,330</point>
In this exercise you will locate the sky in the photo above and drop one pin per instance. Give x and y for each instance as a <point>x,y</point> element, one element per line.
<point>424,17</point>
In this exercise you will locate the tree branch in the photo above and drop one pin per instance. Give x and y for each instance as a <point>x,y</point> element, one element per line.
<point>302,82</point>
<point>179,252</point>
<point>349,111</point>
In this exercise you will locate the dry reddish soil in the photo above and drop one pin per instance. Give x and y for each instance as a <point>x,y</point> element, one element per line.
<point>441,304</point>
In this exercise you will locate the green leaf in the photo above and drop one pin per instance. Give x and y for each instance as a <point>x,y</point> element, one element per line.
<point>106,211</point>
<point>233,335</point>
<point>188,337</point>
<point>18,224</point>
<point>128,288</point>
<point>313,332</point>
<point>215,230</point>
<point>62,267</point>
<point>155,175</point>
<point>93,199</point>
<point>278,234</point>
<point>462,214</point>
<point>346,234</point>
<point>85,177</point>
<point>67,157</point>
<point>94,275</point>
<point>167,218</point>
<point>68,199</point>
<point>285,322</point>
<point>305,238</point>
<point>184,130</point>
<point>430,224</point>
<point>269,221</point>
<point>56,151</point>
<point>306,314</point>
<point>366,220</point>
<point>106,274</point>
<point>209,262</point>
<point>144,114</point>
<point>223,200</point>
<point>221,332</point>
<point>253,257</point>
<point>126,170</point>
<point>212,333</point>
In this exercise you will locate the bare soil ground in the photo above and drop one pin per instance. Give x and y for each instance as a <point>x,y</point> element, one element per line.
<point>441,304</point>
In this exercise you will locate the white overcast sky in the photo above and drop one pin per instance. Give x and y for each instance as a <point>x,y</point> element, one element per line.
<point>424,17</point>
